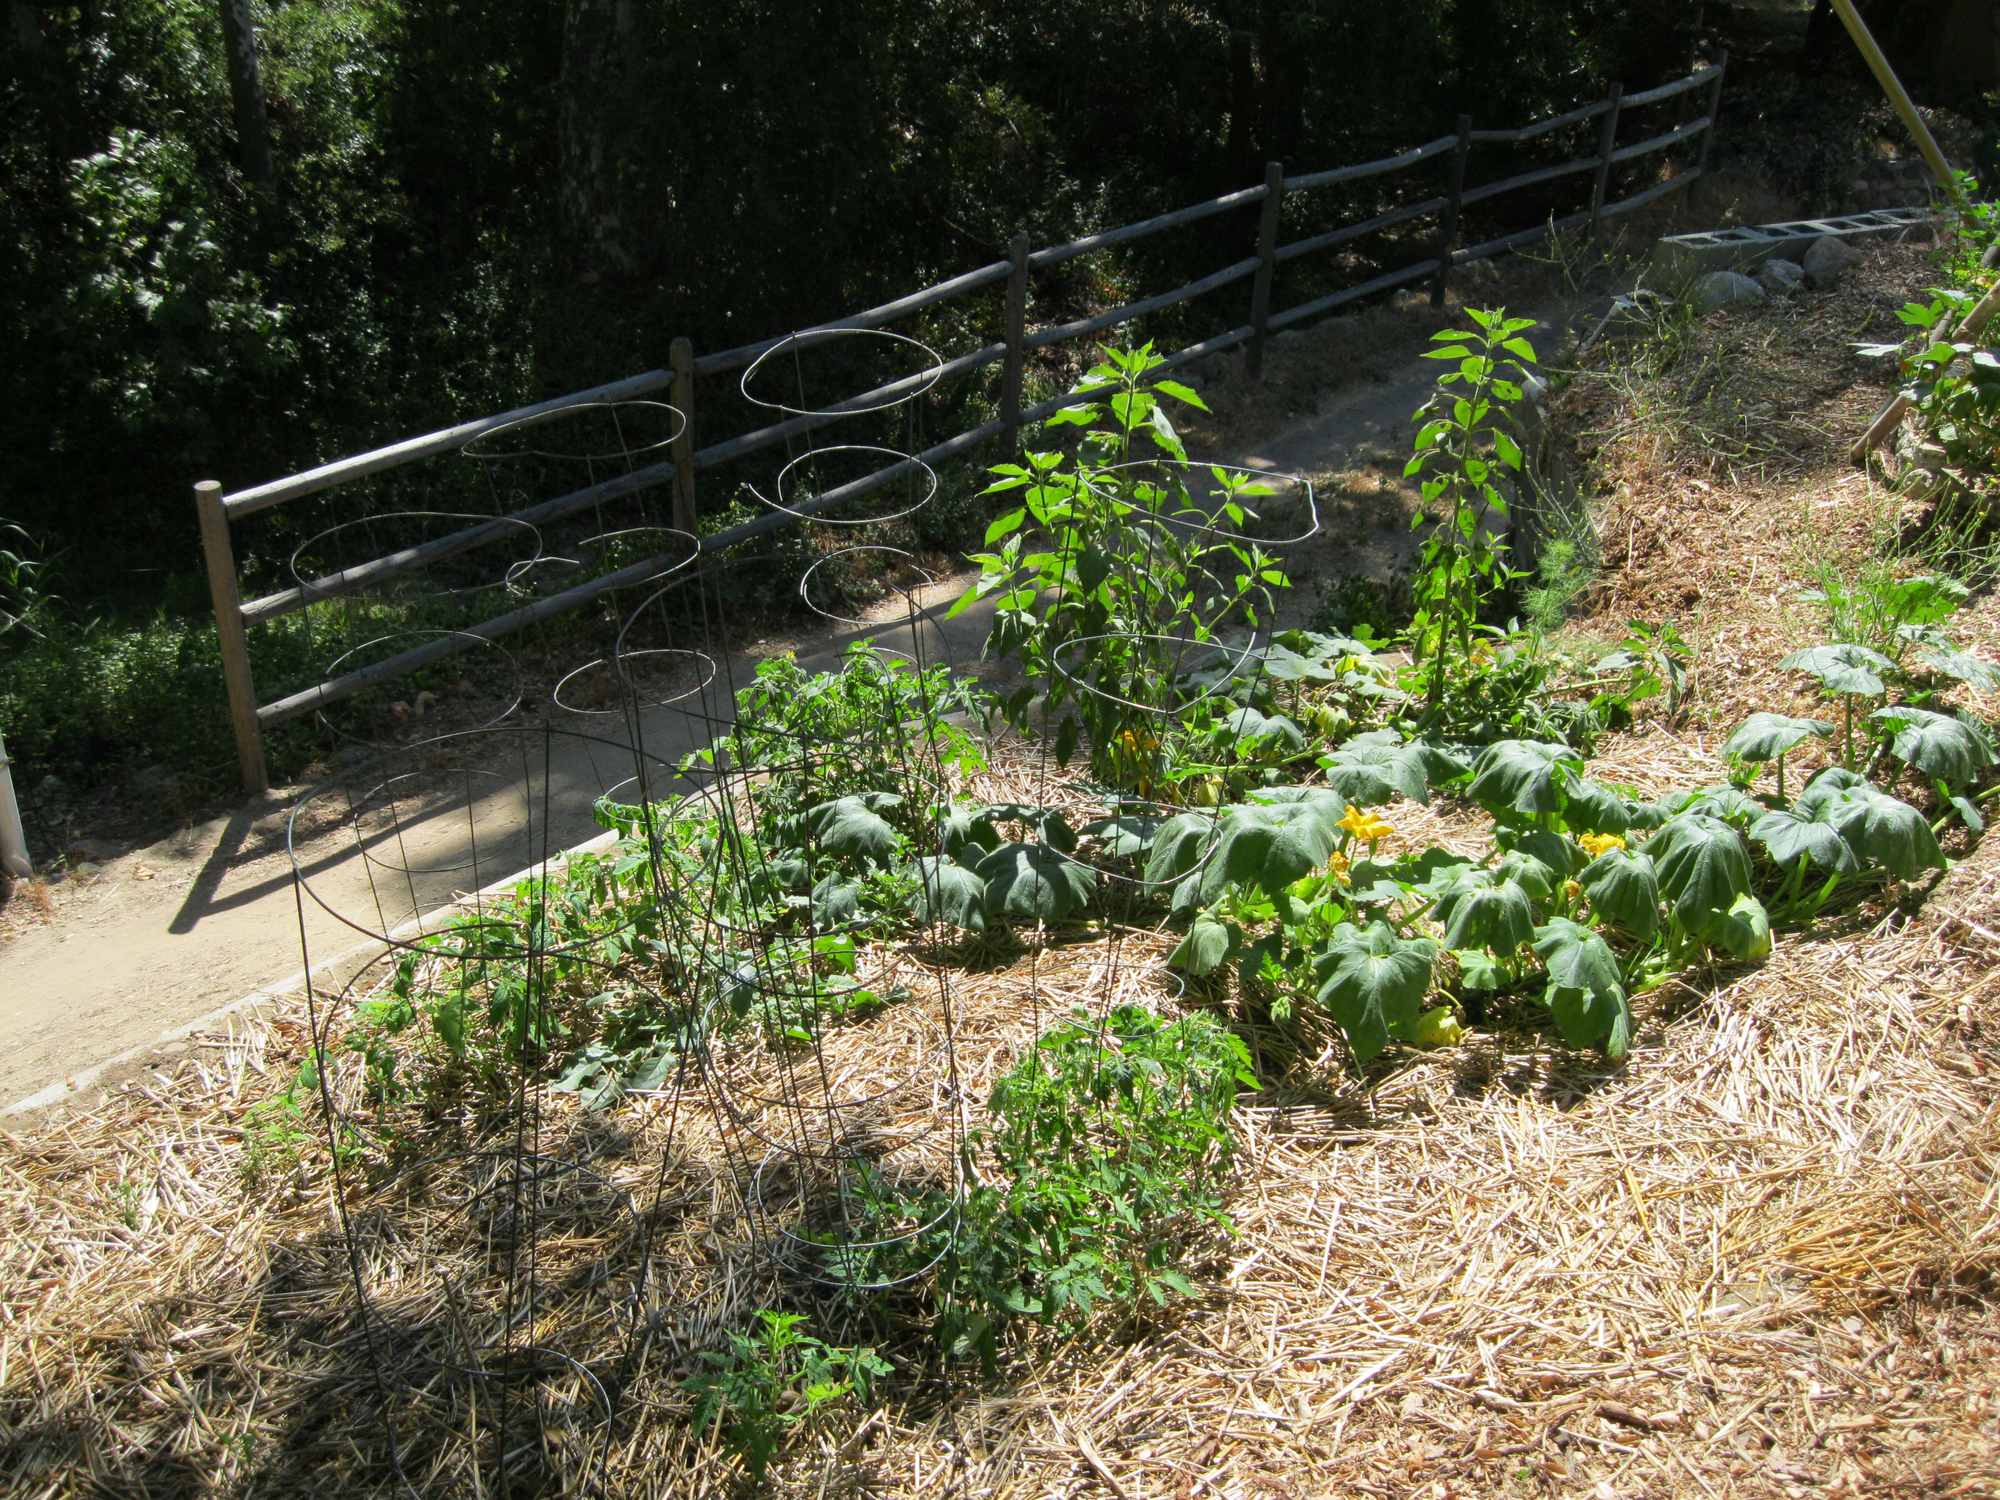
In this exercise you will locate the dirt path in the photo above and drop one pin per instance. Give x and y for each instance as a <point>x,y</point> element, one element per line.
<point>160,938</point>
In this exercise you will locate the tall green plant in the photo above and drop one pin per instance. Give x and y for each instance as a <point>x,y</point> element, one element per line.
<point>1462,450</point>
<point>1110,569</point>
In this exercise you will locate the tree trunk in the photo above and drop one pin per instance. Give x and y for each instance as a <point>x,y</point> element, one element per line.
<point>599,128</point>
<point>246,92</point>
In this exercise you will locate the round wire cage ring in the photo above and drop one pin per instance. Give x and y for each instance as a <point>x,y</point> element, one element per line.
<point>858,1222</point>
<point>1088,645</point>
<point>919,384</point>
<point>391,716</point>
<point>400,581</point>
<point>513,440</point>
<point>786,505</point>
<point>1209,522</point>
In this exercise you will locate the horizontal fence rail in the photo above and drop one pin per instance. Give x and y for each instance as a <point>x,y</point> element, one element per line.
<point>217,512</point>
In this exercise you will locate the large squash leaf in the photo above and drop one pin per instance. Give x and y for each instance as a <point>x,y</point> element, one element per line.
<point>1256,730</point>
<point>1937,744</point>
<point>1050,826</point>
<point>836,902</point>
<point>1370,980</point>
<point>1701,864</point>
<point>948,892</point>
<point>1178,845</point>
<point>1844,668</point>
<point>854,826</point>
<point>1268,847</point>
<point>968,831</point>
<point>1523,776</point>
<point>1034,883</point>
<point>1879,828</point>
<point>1961,666</point>
<point>1731,804</point>
<point>1205,948</point>
<point>1591,807</point>
<point>1126,836</point>
<point>1788,833</point>
<point>1378,766</point>
<point>1764,737</point>
<point>1586,992</point>
<point>1623,888</point>
<point>1484,909</point>
<point>1743,932</point>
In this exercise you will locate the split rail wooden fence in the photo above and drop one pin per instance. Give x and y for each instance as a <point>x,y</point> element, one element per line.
<point>219,512</point>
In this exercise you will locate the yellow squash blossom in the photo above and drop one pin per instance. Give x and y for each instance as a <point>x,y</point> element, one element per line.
<point>1363,825</point>
<point>1337,866</point>
<point>1595,844</point>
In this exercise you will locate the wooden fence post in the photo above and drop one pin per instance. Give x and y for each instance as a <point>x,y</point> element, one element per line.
<point>1017,332</point>
<point>223,589</point>
<point>1448,228</point>
<point>1267,266</point>
<point>1714,113</point>
<point>680,359</point>
<point>1607,142</point>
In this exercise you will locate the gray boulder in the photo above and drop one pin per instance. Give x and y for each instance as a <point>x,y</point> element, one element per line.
<point>1779,276</point>
<point>1827,257</point>
<point>1723,289</point>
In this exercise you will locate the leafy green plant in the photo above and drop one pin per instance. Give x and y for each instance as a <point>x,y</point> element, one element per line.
<point>1110,1144</point>
<point>1464,445</point>
<point>775,1379</point>
<point>1111,569</point>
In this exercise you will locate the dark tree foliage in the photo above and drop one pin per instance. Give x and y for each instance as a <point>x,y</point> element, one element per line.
<point>478,202</point>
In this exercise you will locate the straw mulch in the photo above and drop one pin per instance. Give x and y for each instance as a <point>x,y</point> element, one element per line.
<point>1754,1260</point>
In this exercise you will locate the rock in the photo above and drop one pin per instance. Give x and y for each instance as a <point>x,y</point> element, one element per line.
<point>1920,465</point>
<point>1992,256</point>
<point>1779,276</point>
<point>1827,257</point>
<point>95,851</point>
<point>1724,288</point>
<point>86,870</point>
